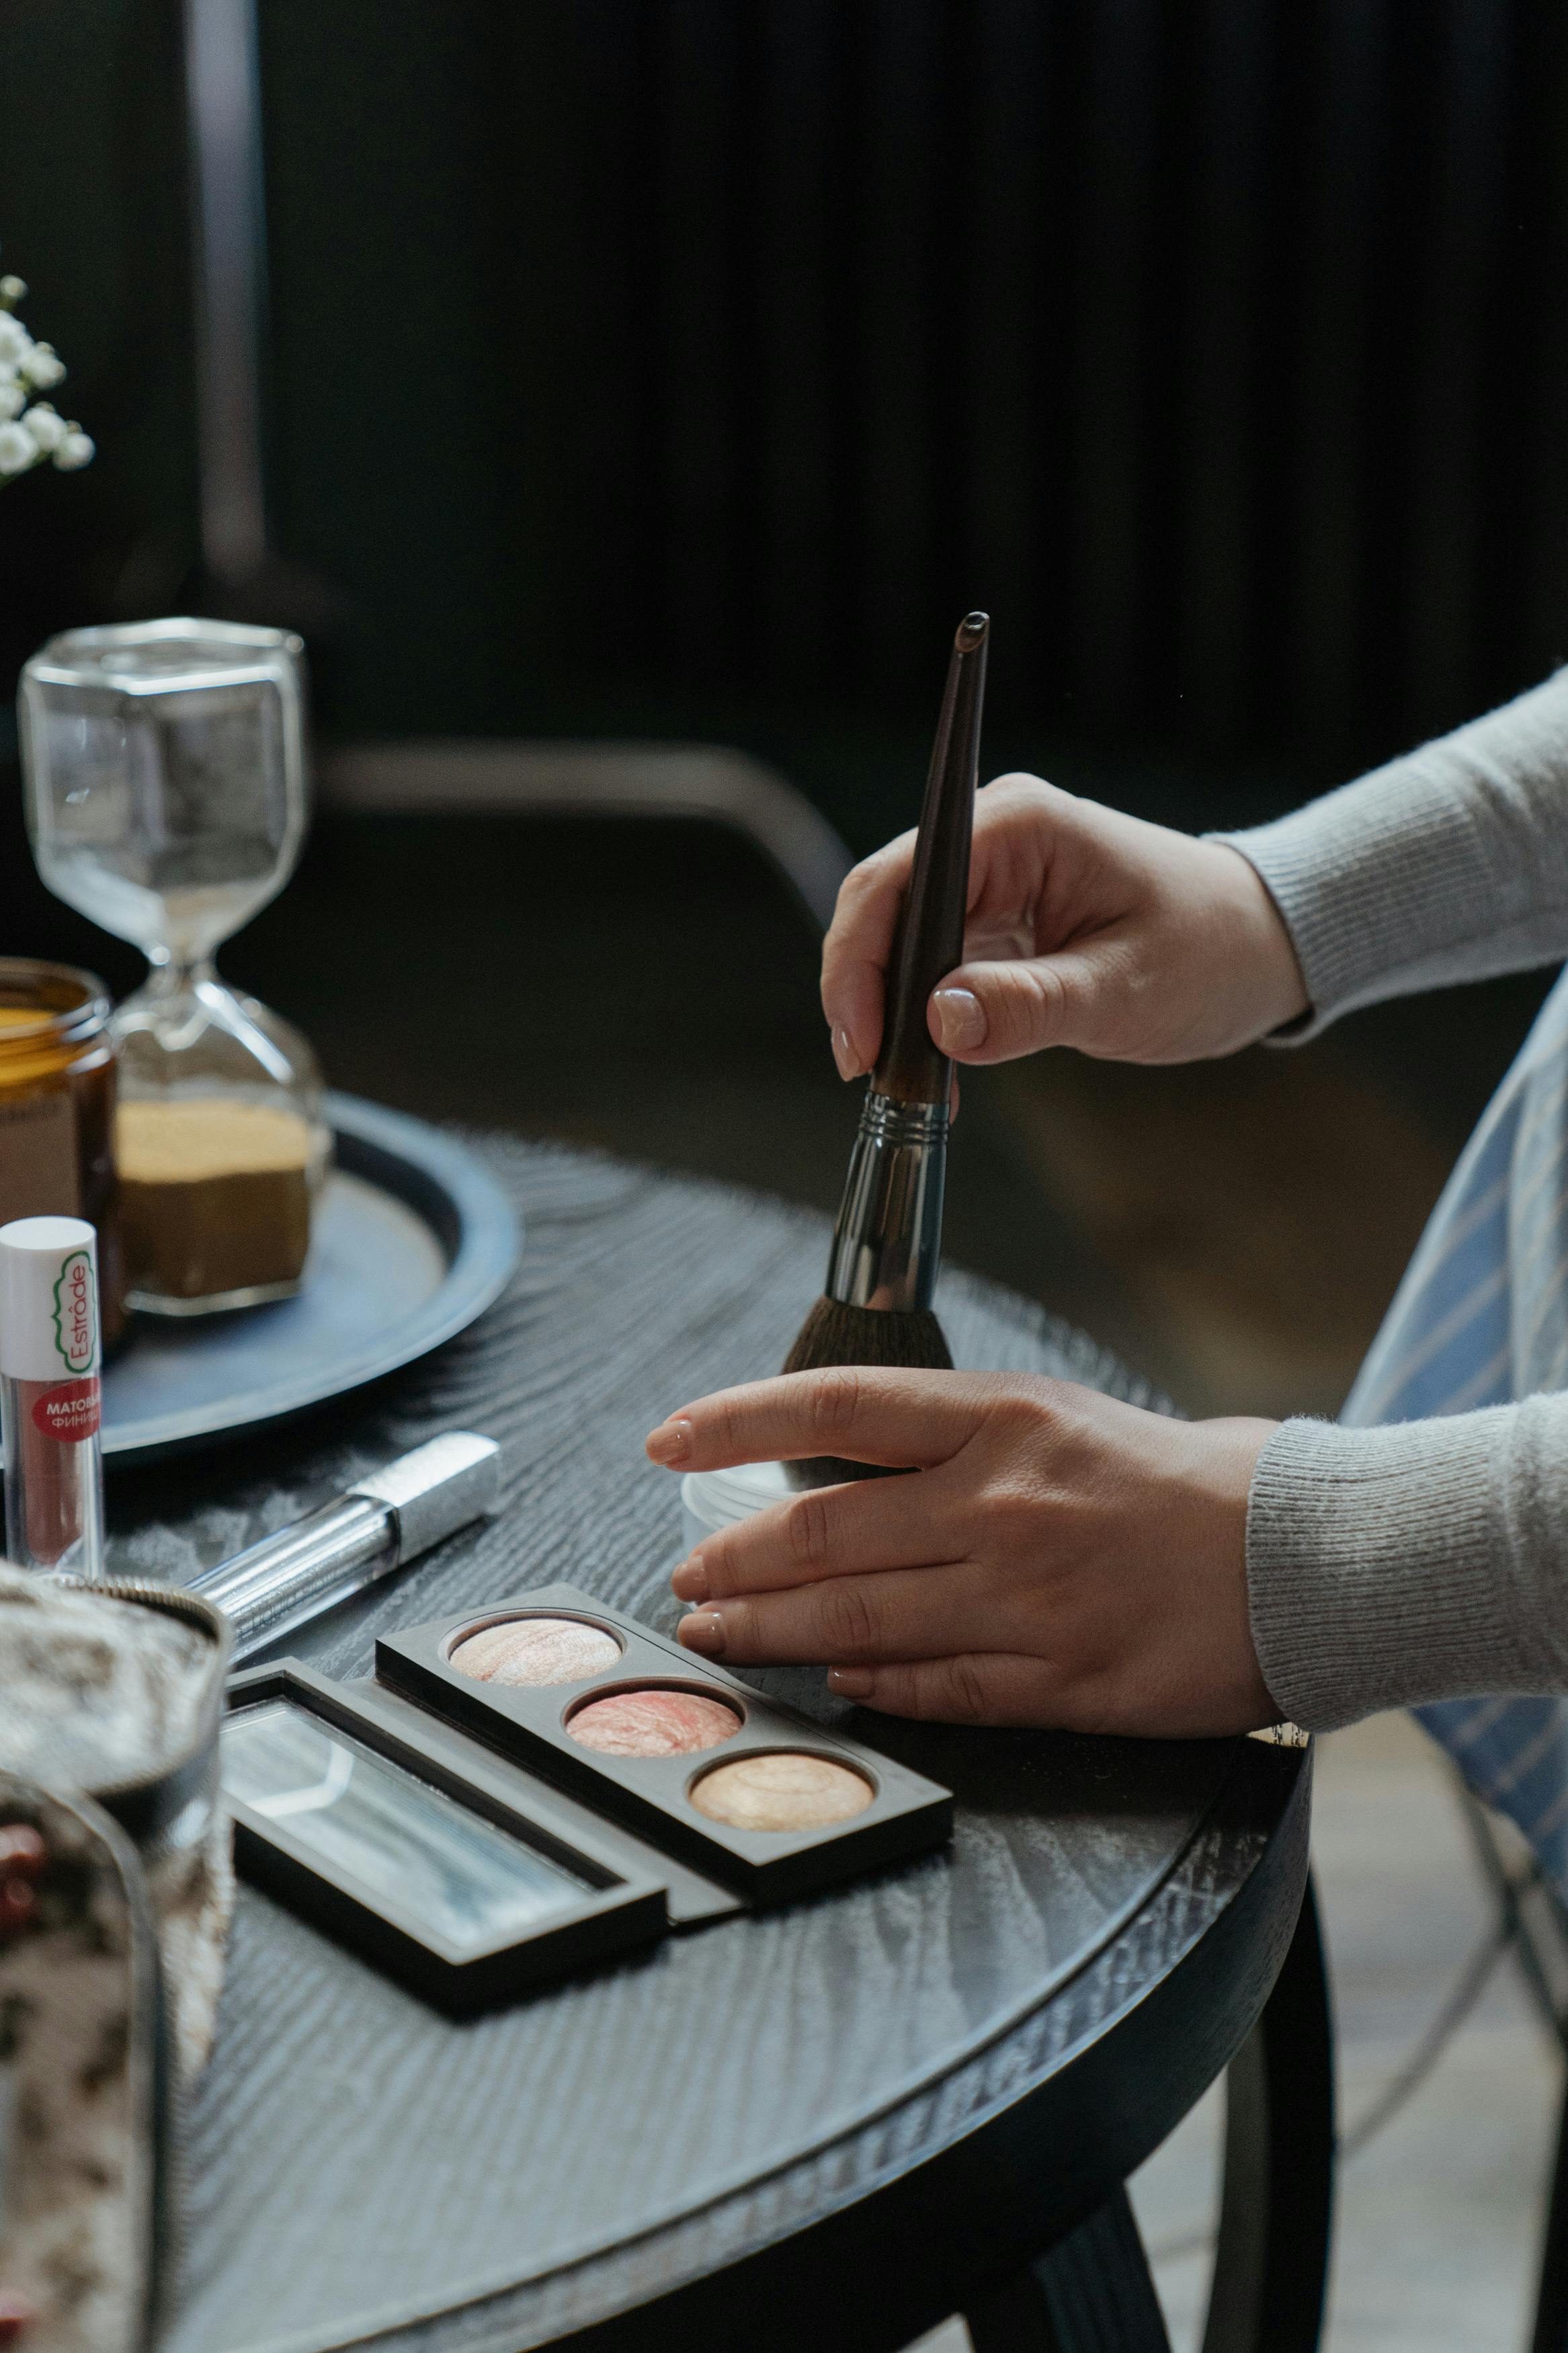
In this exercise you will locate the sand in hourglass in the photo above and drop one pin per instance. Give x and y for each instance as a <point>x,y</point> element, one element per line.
<point>214,1198</point>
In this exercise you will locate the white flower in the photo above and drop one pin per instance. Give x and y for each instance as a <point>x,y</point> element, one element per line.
<point>41,365</point>
<point>47,426</point>
<point>30,432</point>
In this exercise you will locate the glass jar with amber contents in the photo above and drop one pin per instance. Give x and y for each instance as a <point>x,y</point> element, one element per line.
<point>57,1109</point>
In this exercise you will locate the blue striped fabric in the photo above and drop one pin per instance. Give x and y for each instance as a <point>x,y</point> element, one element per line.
<point>1481,1318</point>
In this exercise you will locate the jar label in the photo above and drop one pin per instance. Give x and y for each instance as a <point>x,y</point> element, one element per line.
<point>38,1172</point>
<point>70,1412</point>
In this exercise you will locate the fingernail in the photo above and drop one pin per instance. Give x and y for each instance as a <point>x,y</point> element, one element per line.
<point>844,1053</point>
<point>670,1442</point>
<point>850,1683</point>
<point>703,1630</point>
<point>961,1023</point>
<point>690,1582</point>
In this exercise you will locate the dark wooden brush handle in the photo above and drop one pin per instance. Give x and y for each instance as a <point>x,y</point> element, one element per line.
<point>930,938</point>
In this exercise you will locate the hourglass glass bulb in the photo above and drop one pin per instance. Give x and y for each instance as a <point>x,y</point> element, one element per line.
<point>166,799</point>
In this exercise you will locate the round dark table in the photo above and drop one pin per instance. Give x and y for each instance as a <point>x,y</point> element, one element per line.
<point>830,2124</point>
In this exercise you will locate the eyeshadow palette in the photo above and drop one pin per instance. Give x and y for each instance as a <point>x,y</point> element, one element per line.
<point>467,1890</point>
<point>699,1763</point>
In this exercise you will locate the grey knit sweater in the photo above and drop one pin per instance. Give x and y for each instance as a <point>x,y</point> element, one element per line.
<point>1429,1559</point>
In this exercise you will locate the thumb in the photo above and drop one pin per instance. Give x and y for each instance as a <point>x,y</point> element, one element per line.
<point>996,1012</point>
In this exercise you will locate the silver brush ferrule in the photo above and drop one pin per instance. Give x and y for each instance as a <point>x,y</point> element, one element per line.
<point>887,1244</point>
<point>386,1518</point>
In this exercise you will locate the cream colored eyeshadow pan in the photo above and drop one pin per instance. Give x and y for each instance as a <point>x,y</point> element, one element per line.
<point>790,1792</point>
<point>534,1651</point>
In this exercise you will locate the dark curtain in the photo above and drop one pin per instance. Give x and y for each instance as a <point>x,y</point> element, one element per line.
<point>689,365</point>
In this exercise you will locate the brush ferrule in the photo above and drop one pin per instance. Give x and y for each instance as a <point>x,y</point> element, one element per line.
<point>887,1241</point>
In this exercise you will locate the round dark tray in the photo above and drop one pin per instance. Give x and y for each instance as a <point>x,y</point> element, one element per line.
<point>413,1239</point>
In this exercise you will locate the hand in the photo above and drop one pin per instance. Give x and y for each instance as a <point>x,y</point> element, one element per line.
<point>1055,1559</point>
<point>1086,928</point>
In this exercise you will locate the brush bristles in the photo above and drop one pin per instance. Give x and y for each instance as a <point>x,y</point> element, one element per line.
<point>836,1334</point>
<point>907,1340</point>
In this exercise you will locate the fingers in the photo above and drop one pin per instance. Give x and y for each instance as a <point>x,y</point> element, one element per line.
<point>905,1421</point>
<point>997,1012</point>
<point>1011,831</point>
<point>891,1614</point>
<point>970,1687</point>
<point>855,954</point>
<point>823,1533</point>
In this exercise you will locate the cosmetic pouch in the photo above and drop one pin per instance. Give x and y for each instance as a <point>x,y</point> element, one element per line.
<point>111,1941</point>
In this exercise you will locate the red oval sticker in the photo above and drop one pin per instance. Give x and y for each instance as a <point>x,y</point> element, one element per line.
<point>70,1412</point>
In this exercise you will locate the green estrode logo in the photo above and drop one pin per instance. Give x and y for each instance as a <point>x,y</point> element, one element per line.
<point>76,1313</point>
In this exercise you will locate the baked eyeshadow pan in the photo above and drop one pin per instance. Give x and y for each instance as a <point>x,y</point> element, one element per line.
<point>794,1791</point>
<point>653,1723</point>
<point>533,1651</point>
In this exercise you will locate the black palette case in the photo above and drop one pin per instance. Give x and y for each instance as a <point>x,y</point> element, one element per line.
<point>906,1813</point>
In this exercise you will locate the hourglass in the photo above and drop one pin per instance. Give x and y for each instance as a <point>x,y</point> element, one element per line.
<point>166,799</point>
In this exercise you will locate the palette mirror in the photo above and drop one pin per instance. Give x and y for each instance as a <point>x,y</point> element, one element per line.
<point>460,1877</point>
<point>395,1838</point>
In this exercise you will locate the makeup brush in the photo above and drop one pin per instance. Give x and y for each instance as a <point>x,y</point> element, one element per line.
<point>876,1308</point>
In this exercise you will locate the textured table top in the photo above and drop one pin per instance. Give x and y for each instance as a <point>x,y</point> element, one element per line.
<point>361,2171</point>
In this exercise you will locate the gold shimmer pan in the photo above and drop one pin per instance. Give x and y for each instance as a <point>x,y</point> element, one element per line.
<point>699,1763</point>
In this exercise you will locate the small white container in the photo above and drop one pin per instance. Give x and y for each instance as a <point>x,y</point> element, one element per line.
<point>711,1500</point>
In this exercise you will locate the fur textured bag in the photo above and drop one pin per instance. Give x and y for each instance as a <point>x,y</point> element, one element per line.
<point>112,1943</point>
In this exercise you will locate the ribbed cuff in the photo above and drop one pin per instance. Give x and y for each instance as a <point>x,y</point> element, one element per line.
<point>1446,865</point>
<point>1356,901</point>
<point>1381,1571</point>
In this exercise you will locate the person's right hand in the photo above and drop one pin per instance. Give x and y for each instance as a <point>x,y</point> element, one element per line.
<point>1086,928</point>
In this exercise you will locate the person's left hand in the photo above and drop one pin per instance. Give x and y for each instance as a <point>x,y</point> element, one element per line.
<point>1055,1559</point>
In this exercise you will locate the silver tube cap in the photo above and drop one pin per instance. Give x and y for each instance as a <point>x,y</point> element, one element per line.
<point>437,1488</point>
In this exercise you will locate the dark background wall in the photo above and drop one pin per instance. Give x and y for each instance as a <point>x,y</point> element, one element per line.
<point>686,367</point>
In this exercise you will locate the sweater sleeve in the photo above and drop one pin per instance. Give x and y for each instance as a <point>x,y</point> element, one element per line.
<point>1449,865</point>
<point>1422,1560</point>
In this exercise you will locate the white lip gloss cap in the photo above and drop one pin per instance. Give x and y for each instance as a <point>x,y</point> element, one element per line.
<point>48,1299</point>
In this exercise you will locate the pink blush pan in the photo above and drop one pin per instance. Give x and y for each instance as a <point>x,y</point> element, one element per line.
<point>653,1723</point>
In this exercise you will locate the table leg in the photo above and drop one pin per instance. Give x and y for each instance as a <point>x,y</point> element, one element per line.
<point>1271,2264</point>
<point>1092,2294</point>
<point>1550,2334</point>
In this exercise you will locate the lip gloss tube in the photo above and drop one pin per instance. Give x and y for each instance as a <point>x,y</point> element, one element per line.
<point>50,1397</point>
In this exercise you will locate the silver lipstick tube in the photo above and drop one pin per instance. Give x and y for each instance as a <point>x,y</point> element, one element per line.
<point>383,1521</point>
<point>887,1244</point>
